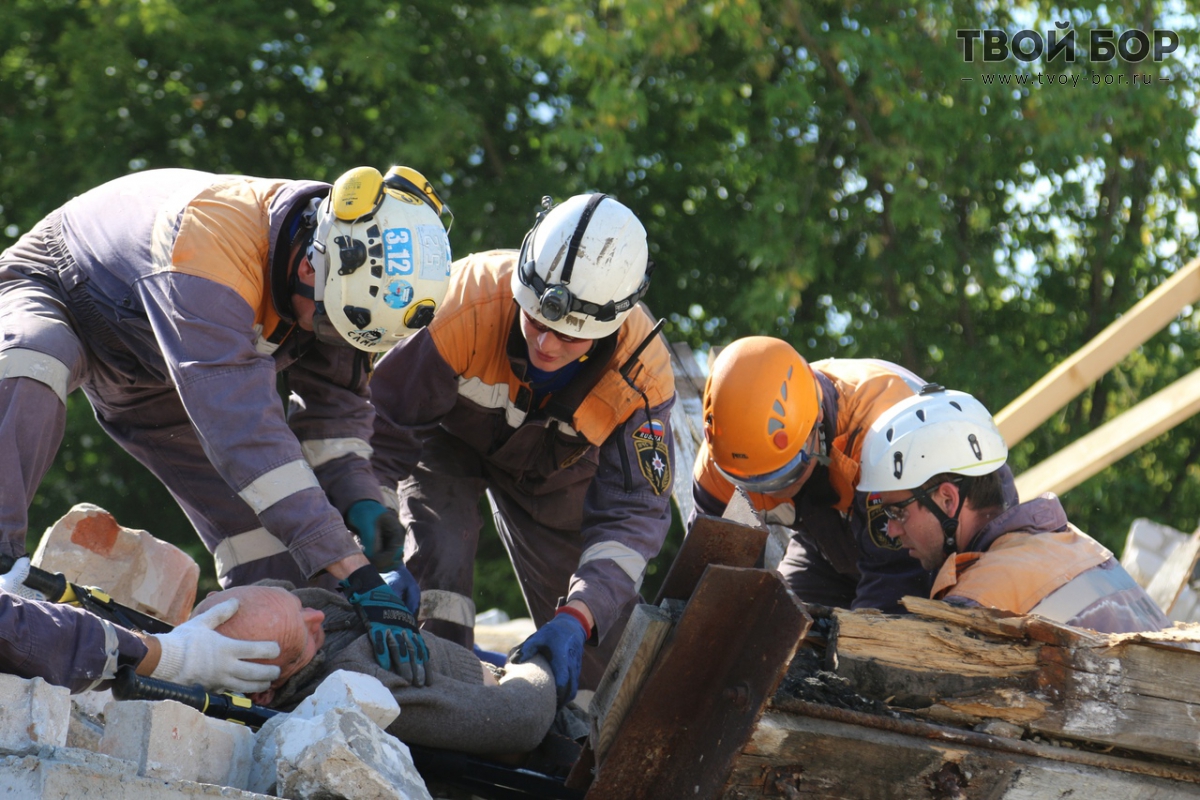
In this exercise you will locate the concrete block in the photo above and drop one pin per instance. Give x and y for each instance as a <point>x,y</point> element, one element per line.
<point>347,690</point>
<point>86,726</point>
<point>1147,546</point>
<point>343,754</point>
<point>90,548</point>
<point>35,714</point>
<point>262,767</point>
<point>56,773</point>
<point>171,741</point>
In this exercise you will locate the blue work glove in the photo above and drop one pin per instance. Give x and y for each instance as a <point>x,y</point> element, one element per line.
<point>380,531</point>
<point>490,656</point>
<point>391,627</point>
<point>559,641</point>
<point>402,582</point>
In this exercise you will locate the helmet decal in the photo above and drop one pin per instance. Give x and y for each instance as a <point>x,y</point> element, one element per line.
<point>399,294</point>
<point>398,251</point>
<point>365,339</point>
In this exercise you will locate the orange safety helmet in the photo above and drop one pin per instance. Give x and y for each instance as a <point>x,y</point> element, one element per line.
<point>761,403</point>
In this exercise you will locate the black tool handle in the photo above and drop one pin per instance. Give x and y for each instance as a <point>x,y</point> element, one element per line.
<point>131,686</point>
<point>51,584</point>
<point>58,589</point>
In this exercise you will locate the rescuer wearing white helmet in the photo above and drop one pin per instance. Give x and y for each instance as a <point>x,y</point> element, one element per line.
<point>173,298</point>
<point>542,383</point>
<point>933,463</point>
<point>789,434</point>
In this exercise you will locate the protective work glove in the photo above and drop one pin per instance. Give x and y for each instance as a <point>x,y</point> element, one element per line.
<point>391,627</point>
<point>380,531</point>
<point>13,581</point>
<point>402,582</point>
<point>195,653</point>
<point>559,641</point>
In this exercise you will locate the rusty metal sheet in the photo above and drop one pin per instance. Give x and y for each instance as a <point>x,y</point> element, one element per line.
<point>698,708</point>
<point>712,540</point>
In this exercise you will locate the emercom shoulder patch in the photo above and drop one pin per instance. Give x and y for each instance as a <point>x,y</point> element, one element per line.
<point>650,443</point>
<point>877,524</point>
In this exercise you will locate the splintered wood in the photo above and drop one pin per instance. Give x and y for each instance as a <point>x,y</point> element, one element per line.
<point>1139,692</point>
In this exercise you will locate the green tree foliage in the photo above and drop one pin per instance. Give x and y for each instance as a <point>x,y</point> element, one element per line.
<point>835,173</point>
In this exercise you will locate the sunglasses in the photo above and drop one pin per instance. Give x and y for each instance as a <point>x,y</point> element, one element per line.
<point>540,328</point>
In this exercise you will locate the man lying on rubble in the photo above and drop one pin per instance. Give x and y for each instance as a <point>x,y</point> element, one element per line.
<point>461,706</point>
<point>934,460</point>
<point>71,647</point>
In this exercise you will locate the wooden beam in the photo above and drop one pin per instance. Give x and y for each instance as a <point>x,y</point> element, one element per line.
<point>697,709</point>
<point>1101,354</point>
<point>626,672</point>
<point>1167,584</point>
<point>687,424</point>
<point>1134,691</point>
<point>1113,440</point>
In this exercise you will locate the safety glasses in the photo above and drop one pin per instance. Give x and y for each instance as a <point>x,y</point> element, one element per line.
<point>779,479</point>
<point>898,512</point>
<point>540,328</point>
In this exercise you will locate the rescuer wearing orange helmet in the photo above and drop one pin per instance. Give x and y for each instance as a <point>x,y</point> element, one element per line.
<point>790,434</point>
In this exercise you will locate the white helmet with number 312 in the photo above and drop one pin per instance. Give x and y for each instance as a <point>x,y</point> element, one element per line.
<point>381,256</point>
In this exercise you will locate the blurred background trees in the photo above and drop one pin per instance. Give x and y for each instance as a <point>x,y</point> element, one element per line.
<point>834,173</point>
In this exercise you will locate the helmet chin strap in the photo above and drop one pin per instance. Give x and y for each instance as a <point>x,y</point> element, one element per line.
<point>949,524</point>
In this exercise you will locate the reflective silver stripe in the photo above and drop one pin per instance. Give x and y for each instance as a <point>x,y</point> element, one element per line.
<point>112,651</point>
<point>391,500</point>
<point>1068,601</point>
<point>22,363</point>
<point>244,548</point>
<point>625,557</point>
<point>321,451</point>
<point>447,607</point>
<point>281,482</point>
<point>491,396</point>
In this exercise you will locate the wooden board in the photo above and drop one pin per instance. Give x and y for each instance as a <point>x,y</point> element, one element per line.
<point>687,423</point>
<point>711,540</point>
<point>727,655</point>
<point>631,663</point>
<point>1106,350</point>
<point>1113,440</point>
<point>1133,691</point>
<point>792,755</point>
<point>1175,573</point>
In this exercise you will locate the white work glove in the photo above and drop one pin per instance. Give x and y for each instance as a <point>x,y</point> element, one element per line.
<point>13,581</point>
<point>195,653</point>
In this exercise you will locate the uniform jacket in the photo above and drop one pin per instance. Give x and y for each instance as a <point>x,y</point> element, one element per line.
<point>1030,560</point>
<point>177,265</point>
<point>853,538</point>
<point>62,645</point>
<point>596,458</point>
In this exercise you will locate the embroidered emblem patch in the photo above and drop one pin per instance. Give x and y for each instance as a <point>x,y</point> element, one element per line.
<point>650,443</point>
<point>877,524</point>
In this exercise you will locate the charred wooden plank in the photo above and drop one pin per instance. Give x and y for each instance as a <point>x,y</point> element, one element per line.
<point>712,540</point>
<point>696,711</point>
